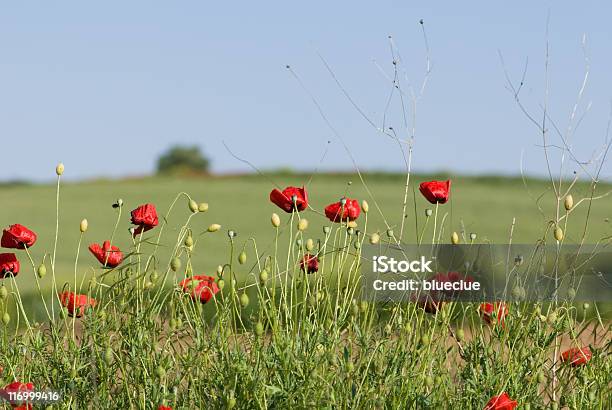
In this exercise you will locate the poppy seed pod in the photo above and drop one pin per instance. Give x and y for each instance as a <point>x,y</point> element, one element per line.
<point>214,228</point>
<point>558,234</point>
<point>275,220</point>
<point>303,224</point>
<point>59,169</point>
<point>244,300</point>
<point>263,276</point>
<point>83,226</point>
<point>455,238</point>
<point>203,207</point>
<point>365,207</point>
<point>193,206</point>
<point>569,202</point>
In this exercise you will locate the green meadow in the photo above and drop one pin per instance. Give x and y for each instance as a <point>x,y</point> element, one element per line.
<point>486,206</point>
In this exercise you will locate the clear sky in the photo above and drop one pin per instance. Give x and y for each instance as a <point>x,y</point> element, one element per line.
<point>106,86</point>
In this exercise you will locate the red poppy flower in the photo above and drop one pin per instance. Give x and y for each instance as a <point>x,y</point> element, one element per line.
<point>16,387</point>
<point>344,210</point>
<point>75,303</point>
<point>162,407</point>
<point>309,263</point>
<point>107,255</point>
<point>577,356</point>
<point>145,216</point>
<point>501,402</point>
<point>200,287</point>
<point>436,191</point>
<point>285,199</point>
<point>494,312</point>
<point>9,265</point>
<point>18,237</point>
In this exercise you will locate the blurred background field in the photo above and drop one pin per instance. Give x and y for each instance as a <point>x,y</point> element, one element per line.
<point>482,205</point>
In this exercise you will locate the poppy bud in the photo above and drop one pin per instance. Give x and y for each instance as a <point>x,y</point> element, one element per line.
<point>326,229</point>
<point>154,276</point>
<point>193,206</point>
<point>303,224</point>
<point>374,238</point>
<point>350,231</point>
<point>203,207</point>
<point>189,241</point>
<point>231,402</point>
<point>586,306</point>
<point>6,318</point>
<point>357,245</point>
<point>275,220</point>
<point>108,356</point>
<point>83,226</point>
<point>558,234</point>
<point>455,238</point>
<point>259,329</point>
<point>242,258</point>
<point>429,381</point>
<point>428,212</point>
<point>425,339</point>
<point>41,271</point>
<point>472,236</point>
<point>460,334</point>
<point>569,202</point>
<point>221,284</point>
<point>160,372</point>
<point>390,233</point>
<point>571,293</point>
<point>263,276</point>
<point>231,234</point>
<point>214,228</point>
<point>244,300</point>
<point>175,264</point>
<point>365,207</point>
<point>309,244</point>
<point>59,169</point>
<point>219,270</point>
<point>3,292</point>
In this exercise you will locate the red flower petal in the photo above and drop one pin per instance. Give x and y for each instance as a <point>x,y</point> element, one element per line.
<point>436,191</point>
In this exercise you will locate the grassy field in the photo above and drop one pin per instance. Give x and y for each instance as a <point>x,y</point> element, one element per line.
<point>486,206</point>
<point>291,340</point>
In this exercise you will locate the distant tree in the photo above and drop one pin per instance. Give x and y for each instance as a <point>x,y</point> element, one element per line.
<point>183,160</point>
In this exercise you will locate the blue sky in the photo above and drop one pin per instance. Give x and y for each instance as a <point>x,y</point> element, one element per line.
<point>106,87</point>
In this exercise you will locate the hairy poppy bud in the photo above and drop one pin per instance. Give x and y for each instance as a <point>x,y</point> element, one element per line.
<point>41,271</point>
<point>455,238</point>
<point>275,220</point>
<point>83,226</point>
<point>244,300</point>
<point>242,257</point>
<point>214,228</point>
<point>326,230</point>
<point>3,292</point>
<point>189,241</point>
<point>460,334</point>
<point>569,202</point>
<point>374,238</point>
<point>263,276</point>
<point>259,329</point>
<point>303,224</point>
<point>59,169</point>
<point>390,233</point>
<point>309,244</point>
<point>221,284</point>
<point>219,270</point>
<point>428,212</point>
<point>193,206</point>
<point>365,207</point>
<point>175,264</point>
<point>558,234</point>
<point>6,318</point>
<point>472,236</point>
<point>108,356</point>
<point>203,207</point>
